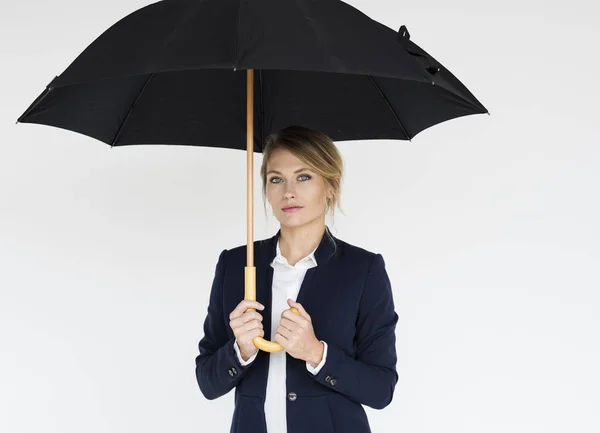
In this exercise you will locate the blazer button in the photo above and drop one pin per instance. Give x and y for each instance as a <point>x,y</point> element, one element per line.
<point>328,379</point>
<point>292,396</point>
<point>333,382</point>
<point>231,373</point>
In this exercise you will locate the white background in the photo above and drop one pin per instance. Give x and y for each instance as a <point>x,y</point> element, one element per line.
<point>488,226</point>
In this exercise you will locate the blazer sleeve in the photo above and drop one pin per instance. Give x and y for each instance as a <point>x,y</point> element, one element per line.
<point>218,369</point>
<point>370,376</point>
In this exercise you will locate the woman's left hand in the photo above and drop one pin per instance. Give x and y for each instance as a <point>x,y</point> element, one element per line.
<point>297,336</point>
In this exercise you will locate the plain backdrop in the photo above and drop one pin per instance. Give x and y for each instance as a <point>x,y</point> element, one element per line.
<point>488,226</point>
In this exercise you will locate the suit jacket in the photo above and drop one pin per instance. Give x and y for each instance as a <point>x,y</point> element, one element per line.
<point>349,298</point>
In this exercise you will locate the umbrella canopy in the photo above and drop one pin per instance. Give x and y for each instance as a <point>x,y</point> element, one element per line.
<point>182,72</point>
<point>173,73</point>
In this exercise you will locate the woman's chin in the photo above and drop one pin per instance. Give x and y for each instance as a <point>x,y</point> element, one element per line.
<point>291,220</point>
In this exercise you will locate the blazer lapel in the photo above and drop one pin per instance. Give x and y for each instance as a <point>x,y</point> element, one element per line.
<point>323,254</point>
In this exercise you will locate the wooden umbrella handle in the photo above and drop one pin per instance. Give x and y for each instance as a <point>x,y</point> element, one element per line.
<point>250,270</point>
<point>250,294</point>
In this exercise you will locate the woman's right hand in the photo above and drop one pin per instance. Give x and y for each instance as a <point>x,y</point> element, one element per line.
<point>246,326</point>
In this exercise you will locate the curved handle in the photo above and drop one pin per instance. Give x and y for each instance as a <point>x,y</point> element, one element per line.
<point>269,346</point>
<point>250,294</point>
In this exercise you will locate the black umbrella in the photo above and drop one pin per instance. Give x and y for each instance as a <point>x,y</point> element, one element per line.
<point>182,72</point>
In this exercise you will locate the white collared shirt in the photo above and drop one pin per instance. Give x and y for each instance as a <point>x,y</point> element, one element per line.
<point>287,280</point>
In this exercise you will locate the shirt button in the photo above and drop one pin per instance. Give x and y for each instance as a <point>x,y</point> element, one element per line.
<point>292,396</point>
<point>333,382</point>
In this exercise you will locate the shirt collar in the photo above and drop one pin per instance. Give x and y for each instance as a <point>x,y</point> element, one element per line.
<point>310,260</point>
<point>326,250</point>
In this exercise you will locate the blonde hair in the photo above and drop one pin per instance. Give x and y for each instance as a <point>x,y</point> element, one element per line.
<point>313,148</point>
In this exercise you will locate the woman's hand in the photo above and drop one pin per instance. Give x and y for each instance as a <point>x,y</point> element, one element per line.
<point>297,336</point>
<point>246,326</point>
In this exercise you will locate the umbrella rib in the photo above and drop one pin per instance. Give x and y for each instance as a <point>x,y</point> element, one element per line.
<point>390,107</point>
<point>131,109</point>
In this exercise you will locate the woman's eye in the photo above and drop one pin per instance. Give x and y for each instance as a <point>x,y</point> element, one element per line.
<point>278,178</point>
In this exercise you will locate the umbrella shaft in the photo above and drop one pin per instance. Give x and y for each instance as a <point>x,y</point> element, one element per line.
<point>250,270</point>
<point>250,163</point>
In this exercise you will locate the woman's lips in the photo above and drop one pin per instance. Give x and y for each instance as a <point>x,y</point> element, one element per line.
<point>292,209</point>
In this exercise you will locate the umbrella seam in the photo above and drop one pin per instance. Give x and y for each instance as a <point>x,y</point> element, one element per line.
<point>468,98</point>
<point>131,109</point>
<point>326,52</point>
<point>390,107</point>
<point>236,61</point>
<point>176,28</point>
<point>35,103</point>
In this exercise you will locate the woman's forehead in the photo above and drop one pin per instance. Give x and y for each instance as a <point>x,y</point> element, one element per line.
<point>287,161</point>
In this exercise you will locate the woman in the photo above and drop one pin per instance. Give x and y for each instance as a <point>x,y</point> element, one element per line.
<point>339,350</point>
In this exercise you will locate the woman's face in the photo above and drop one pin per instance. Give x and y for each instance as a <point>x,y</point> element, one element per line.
<point>290,182</point>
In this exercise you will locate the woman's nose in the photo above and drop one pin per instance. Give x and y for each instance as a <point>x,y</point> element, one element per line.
<point>289,194</point>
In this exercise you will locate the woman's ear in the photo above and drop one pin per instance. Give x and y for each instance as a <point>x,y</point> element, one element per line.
<point>332,189</point>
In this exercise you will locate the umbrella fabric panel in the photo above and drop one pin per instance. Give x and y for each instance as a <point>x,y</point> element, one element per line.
<point>96,109</point>
<point>208,108</point>
<point>308,35</point>
<point>421,105</point>
<point>204,108</point>
<point>169,35</point>
<point>442,77</point>
<point>320,35</point>
<point>345,107</point>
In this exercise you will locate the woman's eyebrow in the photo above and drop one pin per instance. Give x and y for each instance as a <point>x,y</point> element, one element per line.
<point>297,171</point>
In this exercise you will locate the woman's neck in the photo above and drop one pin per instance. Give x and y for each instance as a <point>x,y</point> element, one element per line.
<point>295,243</point>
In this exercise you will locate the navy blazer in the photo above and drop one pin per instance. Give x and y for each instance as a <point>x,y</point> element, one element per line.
<point>349,298</point>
